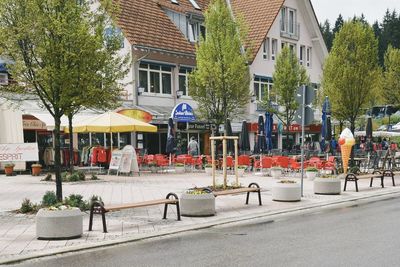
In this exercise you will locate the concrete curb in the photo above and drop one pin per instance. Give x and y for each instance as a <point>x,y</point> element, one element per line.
<point>139,237</point>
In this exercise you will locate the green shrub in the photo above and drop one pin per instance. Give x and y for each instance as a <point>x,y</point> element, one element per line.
<point>76,200</point>
<point>74,177</point>
<point>26,206</point>
<point>81,175</point>
<point>311,169</point>
<point>94,177</point>
<point>49,199</point>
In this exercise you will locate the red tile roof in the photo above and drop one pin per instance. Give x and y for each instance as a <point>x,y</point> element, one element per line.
<point>144,23</point>
<point>259,16</point>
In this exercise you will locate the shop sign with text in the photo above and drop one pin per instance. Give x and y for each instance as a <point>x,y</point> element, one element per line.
<point>183,112</point>
<point>19,152</point>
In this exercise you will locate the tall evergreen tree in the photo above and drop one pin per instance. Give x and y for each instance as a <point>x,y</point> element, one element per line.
<point>220,83</point>
<point>338,25</point>
<point>327,34</point>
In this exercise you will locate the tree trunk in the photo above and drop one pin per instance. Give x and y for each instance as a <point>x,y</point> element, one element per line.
<point>57,156</point>
<point>340,126</point>
<point>71,144</point>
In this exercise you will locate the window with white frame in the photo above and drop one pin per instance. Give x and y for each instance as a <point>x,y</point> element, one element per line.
<point>293,48</point>
<point>195,30</point>
<point>155,78</point>
<point>266,49</point>
<point>289,27</point>
<point>309,56</point>
<point>302,54</point>
<point>262,87</point>
<point>3,78</point>
<point>274,48</point>
<point>184,80</point>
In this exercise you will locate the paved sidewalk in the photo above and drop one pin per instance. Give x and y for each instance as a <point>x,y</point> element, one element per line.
<point>17,231</point>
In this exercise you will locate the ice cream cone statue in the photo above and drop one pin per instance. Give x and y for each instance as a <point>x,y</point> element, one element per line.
<point>346,142</point>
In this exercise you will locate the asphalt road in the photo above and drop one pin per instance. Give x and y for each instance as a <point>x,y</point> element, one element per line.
<point>359,235</point>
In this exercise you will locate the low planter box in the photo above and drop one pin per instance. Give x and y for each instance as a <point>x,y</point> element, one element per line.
<point>59,224</point>
<point>327,186</point>
<point>193,205</point>
<point>286,192</point>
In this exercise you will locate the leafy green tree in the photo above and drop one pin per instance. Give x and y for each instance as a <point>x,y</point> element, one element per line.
<point>391,84</point>
<point>351,71</point>
<point>51,43</point>
<point>289,75</point>
<point>220,83</point>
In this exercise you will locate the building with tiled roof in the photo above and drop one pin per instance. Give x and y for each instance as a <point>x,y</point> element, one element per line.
<point>161,35</point>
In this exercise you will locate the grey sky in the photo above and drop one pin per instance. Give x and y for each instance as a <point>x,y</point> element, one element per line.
<point>372,9</point>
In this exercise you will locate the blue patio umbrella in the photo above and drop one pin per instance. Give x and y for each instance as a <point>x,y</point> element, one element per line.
<point>269,121</point>
<point>260,140</point>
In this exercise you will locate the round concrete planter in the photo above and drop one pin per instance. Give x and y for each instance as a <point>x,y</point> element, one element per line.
<point>197,205</point>
<point>327,186</point>
<point>311,175</point>
<point>276,173</point>
<point>59,224</point>
<point>179,169</point>
<point>287,192</point>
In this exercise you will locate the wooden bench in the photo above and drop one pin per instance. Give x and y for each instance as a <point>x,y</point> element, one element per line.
<point>390,173</point>
<point>99,208</point>
<point>253,187</point>
<point>352,177</point>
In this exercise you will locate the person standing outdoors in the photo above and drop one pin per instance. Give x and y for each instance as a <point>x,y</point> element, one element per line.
<point>193,147</point>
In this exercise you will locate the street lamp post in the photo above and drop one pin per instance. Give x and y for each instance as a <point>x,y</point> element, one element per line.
<point>302,136</point>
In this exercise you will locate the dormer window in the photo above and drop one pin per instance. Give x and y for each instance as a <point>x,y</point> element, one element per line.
<point>174,2</point>
<point>289,26</point>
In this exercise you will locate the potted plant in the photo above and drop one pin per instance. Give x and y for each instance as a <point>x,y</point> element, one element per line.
<point>241,170</point>
<point>276,172</point>
<point>179,168</point>
<point>286,191</point>
<point>311,173</point>
<point>59,222</point>
<point>36,169</point>
<point>208,168</point>
<point>327,185</point>
<point>197,202</point>
<point>9,169</point>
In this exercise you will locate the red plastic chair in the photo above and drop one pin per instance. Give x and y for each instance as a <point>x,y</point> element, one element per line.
<point>265,163</point>
<point>283,162</point>
<point>244,160</point>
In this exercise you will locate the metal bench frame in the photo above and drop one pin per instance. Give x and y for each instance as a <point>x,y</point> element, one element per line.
<point>98,208</point>
<point>252,188</point>
<point>352,177</point>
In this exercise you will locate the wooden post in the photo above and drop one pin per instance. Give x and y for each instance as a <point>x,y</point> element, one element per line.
<point>236,162</point>
<point>224,161</point>
<point>213,160</point>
